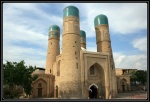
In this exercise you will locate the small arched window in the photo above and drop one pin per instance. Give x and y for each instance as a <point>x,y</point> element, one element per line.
<point>92,71</point>
<point>56,91</point>
<point>77,65</point>
<point>58,69</point>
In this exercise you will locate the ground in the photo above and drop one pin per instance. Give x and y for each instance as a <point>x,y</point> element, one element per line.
<point>132,95</point>
<point>127,95</point>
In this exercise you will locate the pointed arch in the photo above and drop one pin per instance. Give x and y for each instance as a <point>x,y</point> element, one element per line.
<point>96,64</point>
<point>95,68</point>
<point>99,76</point>
<point>93,85</point>
<point>93,91</point>
<point>123,84</point>
<point>40,85</point>
<point>123,80</point>
<point>40,88</point>
<point>39,80</point>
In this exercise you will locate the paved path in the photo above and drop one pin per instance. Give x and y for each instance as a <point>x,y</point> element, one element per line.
<point>132,95</point>
<point>127,95</point>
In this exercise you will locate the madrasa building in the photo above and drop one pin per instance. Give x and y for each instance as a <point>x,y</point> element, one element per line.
<point>76,72</point>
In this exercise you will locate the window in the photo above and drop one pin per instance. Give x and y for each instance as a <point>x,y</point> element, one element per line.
<point>92,71</point>
<point>39,92</point>
<point>50,70</point>
<point>56,91</point>
<point>58,69</point>
<point>77,65</point>
<point>75,52</point>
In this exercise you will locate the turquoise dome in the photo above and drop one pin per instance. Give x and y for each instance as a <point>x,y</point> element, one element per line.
<point>82,33</point>
<point>71,11</point>
<point>100,19</point>
<point>54,31</point>
<point>54,27</point>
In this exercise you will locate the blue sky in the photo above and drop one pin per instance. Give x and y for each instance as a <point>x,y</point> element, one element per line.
<point>25,30</point>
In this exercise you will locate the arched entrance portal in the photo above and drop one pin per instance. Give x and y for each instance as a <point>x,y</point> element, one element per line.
<point>93,92</point>
<point>39,90</point>
<point>123,87</point>
<point>96,75</point>
<point>123,83</point>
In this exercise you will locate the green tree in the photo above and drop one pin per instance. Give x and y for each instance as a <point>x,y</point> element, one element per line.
<point>141,76</point>
<point>138,76</point>
<point>133,77</point>
<point>17,74</point>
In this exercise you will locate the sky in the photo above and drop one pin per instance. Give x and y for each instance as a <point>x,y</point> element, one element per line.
<point>26,25</point>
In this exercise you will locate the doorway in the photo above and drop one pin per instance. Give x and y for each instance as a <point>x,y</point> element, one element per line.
<point>56,91</point>
<point>124,85</point>
<point>93,92</point>
<point>123,88</point>
<point>39,92</point>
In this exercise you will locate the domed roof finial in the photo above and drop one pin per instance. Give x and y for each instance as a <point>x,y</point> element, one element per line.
<point>100,19</point>
<point>71,11</point>
<point>82,33</point>
<point>54,27</point>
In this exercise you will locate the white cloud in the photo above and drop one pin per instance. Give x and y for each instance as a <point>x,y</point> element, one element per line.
<point>140,43</point>
<point>130,61</point>
<point>17,33</point>
<point>31,56</point>
<point>18,26</point>
<point>124,18</point>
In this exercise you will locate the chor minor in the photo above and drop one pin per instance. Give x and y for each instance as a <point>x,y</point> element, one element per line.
<point>77,73</point>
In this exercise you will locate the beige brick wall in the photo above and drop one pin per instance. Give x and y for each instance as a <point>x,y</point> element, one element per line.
<point>52,52</point>
<point>119,72</point>
<point>114,83</point>
<point>70,83</point>
<point>103,38</point>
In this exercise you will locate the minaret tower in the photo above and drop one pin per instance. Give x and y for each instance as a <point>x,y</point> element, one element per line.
<point>102,34</point>
<point>104,45</point>
<point>83,39</point>
<point>70,72</point>
<point>53,48</point>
